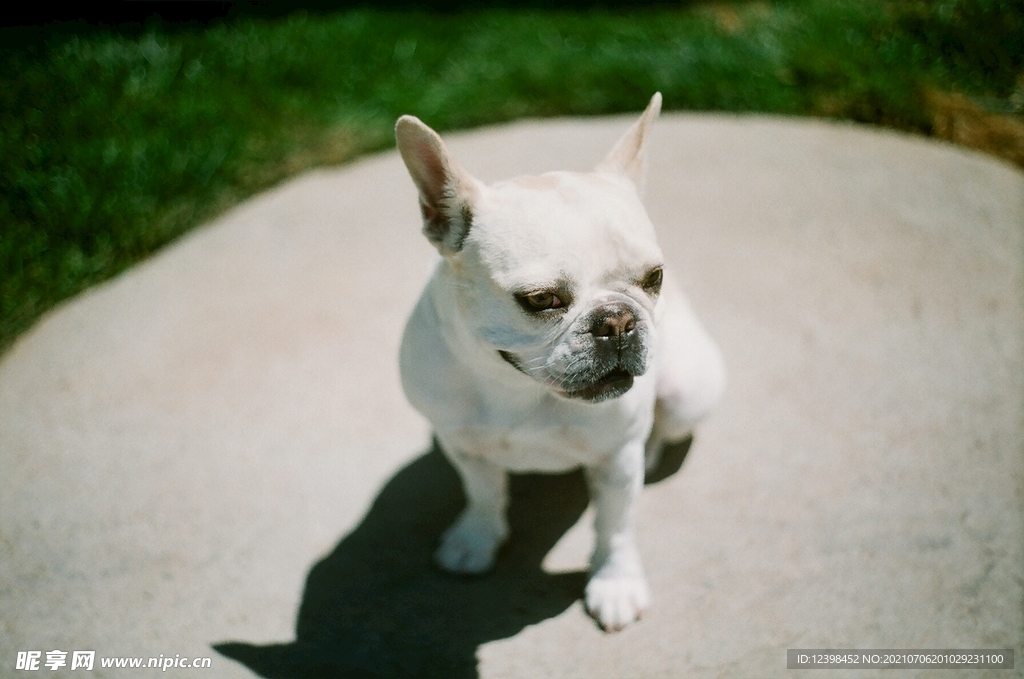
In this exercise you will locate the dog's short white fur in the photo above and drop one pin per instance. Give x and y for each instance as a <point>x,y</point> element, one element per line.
<point>550,338</point>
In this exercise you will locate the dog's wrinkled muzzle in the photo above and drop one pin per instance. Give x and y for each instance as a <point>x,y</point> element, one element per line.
<point>609,350</point>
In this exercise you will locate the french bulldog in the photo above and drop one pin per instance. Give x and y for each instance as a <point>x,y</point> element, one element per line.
<point>551,337</point>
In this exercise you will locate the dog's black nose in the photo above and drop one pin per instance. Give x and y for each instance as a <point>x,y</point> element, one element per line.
<point>614,320</point>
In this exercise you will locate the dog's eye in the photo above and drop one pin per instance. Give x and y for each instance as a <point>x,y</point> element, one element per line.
<point>540,301</point>
<point>652,282</point>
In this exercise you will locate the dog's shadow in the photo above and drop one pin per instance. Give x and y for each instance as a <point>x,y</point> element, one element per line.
<point>378,607</point>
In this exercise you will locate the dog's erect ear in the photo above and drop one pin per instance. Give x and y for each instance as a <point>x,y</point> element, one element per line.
<point>447,191</point>
<point>629,157</point>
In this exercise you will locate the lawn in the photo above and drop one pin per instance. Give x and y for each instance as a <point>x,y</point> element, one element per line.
<point>115,140</point>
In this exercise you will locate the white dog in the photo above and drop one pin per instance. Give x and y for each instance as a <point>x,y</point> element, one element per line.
<point>550,337</point>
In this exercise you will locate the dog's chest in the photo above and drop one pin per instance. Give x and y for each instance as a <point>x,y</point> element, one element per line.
<point>543,439</point>
<point>523,449</point>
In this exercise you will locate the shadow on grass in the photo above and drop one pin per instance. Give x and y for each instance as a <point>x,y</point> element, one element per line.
<point>377,607</point>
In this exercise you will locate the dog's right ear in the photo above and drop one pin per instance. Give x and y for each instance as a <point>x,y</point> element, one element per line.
<point>447,191</point>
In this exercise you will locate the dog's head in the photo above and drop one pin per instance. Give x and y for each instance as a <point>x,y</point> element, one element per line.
<point>557,274</point>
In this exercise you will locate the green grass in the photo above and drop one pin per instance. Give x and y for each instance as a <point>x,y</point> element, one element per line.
<point>111,145</point>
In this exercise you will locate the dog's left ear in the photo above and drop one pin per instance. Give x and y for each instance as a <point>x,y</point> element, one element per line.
<point>447,191</point>
<point>629,155</point>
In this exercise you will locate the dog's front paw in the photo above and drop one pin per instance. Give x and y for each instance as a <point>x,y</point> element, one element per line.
<point>470,544</point>
<point>616,601</point>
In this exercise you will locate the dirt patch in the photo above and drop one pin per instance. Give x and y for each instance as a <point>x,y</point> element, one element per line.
<point>960,120</point>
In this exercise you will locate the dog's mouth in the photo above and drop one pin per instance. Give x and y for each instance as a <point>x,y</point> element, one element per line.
<point>612,384</point>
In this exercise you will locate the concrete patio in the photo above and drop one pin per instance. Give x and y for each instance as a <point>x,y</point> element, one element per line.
<point>213,449</point>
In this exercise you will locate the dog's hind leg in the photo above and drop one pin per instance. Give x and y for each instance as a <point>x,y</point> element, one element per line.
<point>691,373</point>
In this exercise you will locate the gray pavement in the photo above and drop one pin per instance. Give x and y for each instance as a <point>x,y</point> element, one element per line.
<point>213,448</point>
